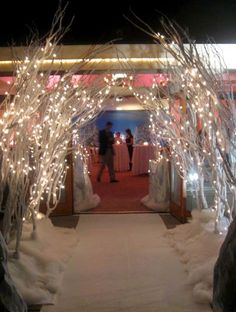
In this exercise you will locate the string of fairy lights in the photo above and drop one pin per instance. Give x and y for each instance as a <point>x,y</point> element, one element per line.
<point>178,123</point>
<point>175,126</point>
<point>36,130</point>
<point>38,123</point>
<point>197,125</point>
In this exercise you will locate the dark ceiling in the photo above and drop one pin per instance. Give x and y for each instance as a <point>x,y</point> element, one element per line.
<point>102,21</point>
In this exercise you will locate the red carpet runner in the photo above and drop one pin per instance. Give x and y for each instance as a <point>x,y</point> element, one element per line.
<point>121,197</point>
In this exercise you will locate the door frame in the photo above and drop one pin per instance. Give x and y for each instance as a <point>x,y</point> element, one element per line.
<point>178,210</point>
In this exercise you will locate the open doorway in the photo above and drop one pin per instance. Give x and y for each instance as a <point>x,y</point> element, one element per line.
<point>124,112</point>
<point>124,196</point>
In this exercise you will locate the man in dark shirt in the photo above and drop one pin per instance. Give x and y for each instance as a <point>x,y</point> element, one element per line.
<point>106,152</point>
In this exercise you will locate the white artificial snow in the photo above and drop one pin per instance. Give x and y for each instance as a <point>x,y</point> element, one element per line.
<point>38,272</point>
<point>123,263</point>
<point>159,187</point>
<point>149,202</point>
<point>84,198</point>
<point>198,247</point>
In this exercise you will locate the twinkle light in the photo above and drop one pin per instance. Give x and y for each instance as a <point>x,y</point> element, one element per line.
<point>36,134</point>
<point>195,114</point>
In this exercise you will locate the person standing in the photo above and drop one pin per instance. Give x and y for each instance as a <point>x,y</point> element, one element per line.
<point>129,142</point>
<point>106,152</point>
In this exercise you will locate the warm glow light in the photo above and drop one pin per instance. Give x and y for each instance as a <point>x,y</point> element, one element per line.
<point>96,60</point>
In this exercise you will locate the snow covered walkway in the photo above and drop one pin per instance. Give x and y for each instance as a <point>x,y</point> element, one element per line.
<point>123,263</point>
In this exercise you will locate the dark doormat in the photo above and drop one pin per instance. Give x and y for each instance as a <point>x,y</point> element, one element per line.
<point>65,221</point>
<point>169,221</point>
<point>34,308</point>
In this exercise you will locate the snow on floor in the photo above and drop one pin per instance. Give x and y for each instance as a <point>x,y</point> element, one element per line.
<point>38,272</point>
<point>198,247</point>
<point>124,263</point>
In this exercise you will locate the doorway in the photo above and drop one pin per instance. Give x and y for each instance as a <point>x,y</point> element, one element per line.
<point>124,196</point>
<point>121,197</point>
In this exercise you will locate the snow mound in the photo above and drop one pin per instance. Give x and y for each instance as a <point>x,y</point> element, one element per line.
<point>149,202</point>
<point>198,247</point>
<point>39,271</point>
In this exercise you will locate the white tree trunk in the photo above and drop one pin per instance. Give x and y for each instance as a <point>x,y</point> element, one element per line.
<point>158,198</point>
<point>84,198</point>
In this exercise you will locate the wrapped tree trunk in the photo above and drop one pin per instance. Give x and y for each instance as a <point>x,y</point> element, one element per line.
<point>10,299</point>
<point>158,198</point>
